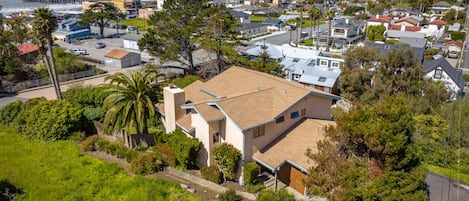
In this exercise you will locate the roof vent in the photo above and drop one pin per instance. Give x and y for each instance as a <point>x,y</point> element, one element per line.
<point>284,93</point>
<point>211,93</point>
<point>172,86</point>
<point>258,88</point>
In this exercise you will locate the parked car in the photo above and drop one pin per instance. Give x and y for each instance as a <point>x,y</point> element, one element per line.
<point>304,34</point>
<point>78,51</point>
<point>131,28</point>
<point>453,54</point>
<point>100,45</point>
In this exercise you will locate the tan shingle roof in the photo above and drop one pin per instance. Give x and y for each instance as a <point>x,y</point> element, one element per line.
<point>185,122</point>
<point>116,54</point>
<point>250,97</point>
<point>209,113</point>
<point>294,144</point>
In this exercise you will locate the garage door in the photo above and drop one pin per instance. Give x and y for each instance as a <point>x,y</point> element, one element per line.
<point>296,180</point>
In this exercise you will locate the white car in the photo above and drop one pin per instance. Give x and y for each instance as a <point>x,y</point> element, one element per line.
<point>78,51</point>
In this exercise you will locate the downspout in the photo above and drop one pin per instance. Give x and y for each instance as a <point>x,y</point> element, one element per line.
<point>275,180</point>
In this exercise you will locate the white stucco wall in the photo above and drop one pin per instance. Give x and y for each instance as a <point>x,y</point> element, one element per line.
<point>202,133</point>
<point>449,83</point>
<point>130,44</point>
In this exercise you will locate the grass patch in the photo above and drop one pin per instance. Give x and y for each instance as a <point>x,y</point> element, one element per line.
<point>256,18</point>
<point>449,172</point>
<point>309,42</point>
<point>58,171</point>
<point>135,22</point>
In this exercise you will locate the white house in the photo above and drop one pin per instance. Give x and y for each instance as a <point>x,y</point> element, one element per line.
<point>441,70</point>
<point>121,58</point>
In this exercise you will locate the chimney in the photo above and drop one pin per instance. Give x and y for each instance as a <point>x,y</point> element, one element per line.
<point>346,20</point>
<point>377,16</point>
<point>174,97</point>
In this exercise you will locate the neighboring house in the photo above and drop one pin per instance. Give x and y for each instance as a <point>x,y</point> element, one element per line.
<point>28,52</point>
<point>454,27</point>
<point>414,42</point>
<point>131,41</point>
<point>407,21</point>
<point>252,29</point>
<point>453,46</point>
<point>442,70</point>
<point>69,30</point>
<point>274,25</point>
<point>259,114</point>
<point>439,8</point>
<point>384,49</point>
<point>241,17</point>
<point>307,66</point>
<point>121,58</point>
<point>436,28</point>
<point>379,20</point>
<point>285,18</point>
<point>345,31</point>
<point>397,34</point>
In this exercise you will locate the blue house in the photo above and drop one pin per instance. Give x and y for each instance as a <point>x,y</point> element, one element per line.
<point>69,30</point>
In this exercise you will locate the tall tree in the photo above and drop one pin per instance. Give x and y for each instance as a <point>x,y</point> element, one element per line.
<point>16,33</point>
<point>131,100</point>
<point>370,145</point>
<point>101,13</point>
<point>43,25</point>
<point>264,63</point>
<point>220,36</point>
<point>315,14</point>
<point>298,36</point>
<point>329,15</point>
<point>172,33</point>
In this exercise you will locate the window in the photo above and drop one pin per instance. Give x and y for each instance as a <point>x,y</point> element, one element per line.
<point>296,60</point>
<point>216,137</point>
<point>259,131</point>
<point>322,79</point>
<point>303,112</point>
<point>280,119</point>
<point>296,76</point>
<point>323,63</point>
<point>335,64</point>
<point>438,73</point>
<point>294,114</point>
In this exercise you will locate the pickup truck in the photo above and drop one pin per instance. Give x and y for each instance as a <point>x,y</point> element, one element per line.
<point>78,51</point>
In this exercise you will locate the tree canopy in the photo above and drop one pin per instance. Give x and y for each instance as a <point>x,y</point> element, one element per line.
<point>101,13</point>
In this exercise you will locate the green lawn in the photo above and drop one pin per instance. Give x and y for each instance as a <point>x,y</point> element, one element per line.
<point>58,171</point>
<point>256,18</point>
<point>309,42</point>
<point>452,173</point>
<point>136,22</point>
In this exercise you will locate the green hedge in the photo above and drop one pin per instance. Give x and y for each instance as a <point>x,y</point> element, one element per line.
<point>211,173</point>
<point>41,119</point>
<point>166,154</point>
<point>184,148</point>
<point>229,195</point>
<point>94,143</point>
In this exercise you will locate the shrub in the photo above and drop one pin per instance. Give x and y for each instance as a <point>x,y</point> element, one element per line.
<point>92,113</point>
<point>102,145</point>
<point>270,195</point>
<point>48,120</point>
<point>146,163</point>
<point>251,171</point>
<point>184,148</point>
<point>229,195</point>
<point>254,188</point>
<point>166,154</point>
<point>184,81</point>
<point>211,173</point>
<point>227,158</point>
<point>131,155</point>
<point>86,96</point>
<point>89,144</point>
<point>9,112</point>
<point>458,35</point>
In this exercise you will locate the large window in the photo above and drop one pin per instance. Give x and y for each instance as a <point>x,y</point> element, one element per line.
<point>216,137</point>
<point>323,63</point>
<point>438,73</point>
<point>335,64</point>
<point>259,131</point>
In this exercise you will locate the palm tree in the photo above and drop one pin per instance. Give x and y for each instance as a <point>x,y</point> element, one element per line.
<point>43,25</point>
<point>315,14</point>
<point>302,10</point>
<point>330,15</point>
<point>131,100</point>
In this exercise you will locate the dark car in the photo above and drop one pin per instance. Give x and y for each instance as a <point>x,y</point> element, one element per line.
<point>100,45</point>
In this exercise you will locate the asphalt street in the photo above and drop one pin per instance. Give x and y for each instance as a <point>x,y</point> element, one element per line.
<point>284,38</point>
<point>442,189</point>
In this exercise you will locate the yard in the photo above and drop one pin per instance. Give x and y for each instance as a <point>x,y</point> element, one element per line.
<point>135,22</point>
<point>58,171</point>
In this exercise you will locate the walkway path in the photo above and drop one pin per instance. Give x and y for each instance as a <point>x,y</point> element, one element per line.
<point>206,189</point>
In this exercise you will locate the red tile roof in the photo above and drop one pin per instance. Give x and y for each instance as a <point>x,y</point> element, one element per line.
<point>380,18</point>
<point>27,48</point>
<point>453,43</point>
<point>439,22</point>
<point>395,27</point>
<point>414,29</point>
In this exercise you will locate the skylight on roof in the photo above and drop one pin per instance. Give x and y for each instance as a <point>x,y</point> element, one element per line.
<point>322,79</point>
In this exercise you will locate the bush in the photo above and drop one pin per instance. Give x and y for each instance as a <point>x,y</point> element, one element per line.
<point>9,112</point>
<point>211,173</point>
<point>458,35</point>
<point>167,155</point>
<point>270,195</point>
<point>184,148</point>
<point>86,96</point>
<point>184,81</point>
<point>146,163</point>
<point>89,144</point>
<point>251,171</point>
<point>48,120</point>
<point>254,188</point>
<point>131,155</point>
<point>227,158</point>
<point>229,195</point>
<point>92,113</point>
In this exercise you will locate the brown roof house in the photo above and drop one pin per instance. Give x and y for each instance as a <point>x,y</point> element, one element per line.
<point>121,58</point>
<point>272,121</point>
